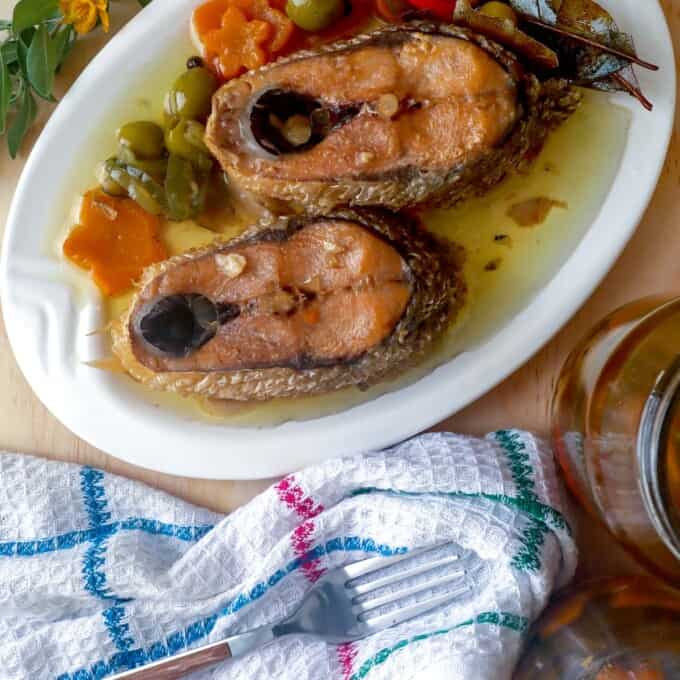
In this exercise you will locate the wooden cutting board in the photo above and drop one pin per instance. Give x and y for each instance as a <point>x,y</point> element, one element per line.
<point>650,264</point>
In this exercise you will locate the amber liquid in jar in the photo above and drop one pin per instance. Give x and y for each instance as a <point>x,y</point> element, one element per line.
<point>617,629</point>
<point>616,429</point>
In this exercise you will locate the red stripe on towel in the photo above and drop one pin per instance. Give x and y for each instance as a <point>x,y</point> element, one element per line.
<point>292,494</point>
<point>294,497</point>
<point>347,652</point>
<point>306,508</point>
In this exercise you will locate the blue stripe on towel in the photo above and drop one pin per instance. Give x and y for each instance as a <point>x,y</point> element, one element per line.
<point>67,541</point>
<point>180,640</point>
<point>94,496</point>
<point>94,500</point>
<point>94,560</point>
<point>94,575</point>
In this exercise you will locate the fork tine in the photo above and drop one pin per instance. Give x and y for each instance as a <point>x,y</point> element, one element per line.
<point>366,569</point>
<point>367,566</point>
<point>376,621</point>
<point>410,585</point>
<point>407,570</point>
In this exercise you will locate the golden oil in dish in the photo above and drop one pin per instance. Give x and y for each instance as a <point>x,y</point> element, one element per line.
<point>575,169</point>
<point>506,264</point>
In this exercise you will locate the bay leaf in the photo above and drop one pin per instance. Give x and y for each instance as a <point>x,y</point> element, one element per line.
<point>545,10</point>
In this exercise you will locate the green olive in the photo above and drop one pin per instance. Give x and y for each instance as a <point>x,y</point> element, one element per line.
<point>185,139</point>
<point>125,155</point>
<point>155,167</point>
<point>499,10</point>
<point>191,95</point>
<point>185,189</point>
<point>314,15</point>
<point>107,183</point>
<point>143,138</point>
<point>138,185</point>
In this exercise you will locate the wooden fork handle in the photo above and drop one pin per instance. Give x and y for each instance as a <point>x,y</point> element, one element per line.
<point>177,666</point>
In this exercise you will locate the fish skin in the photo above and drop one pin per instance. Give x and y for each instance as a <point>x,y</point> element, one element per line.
<point>543,106</point>
<point>438,293</point>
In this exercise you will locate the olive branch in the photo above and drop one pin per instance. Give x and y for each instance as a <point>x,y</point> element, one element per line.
<point>33,47</point>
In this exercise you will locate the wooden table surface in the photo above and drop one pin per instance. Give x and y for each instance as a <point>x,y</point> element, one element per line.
<point>650,264</point>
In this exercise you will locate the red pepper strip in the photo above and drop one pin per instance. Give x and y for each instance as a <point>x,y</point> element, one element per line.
<point>392,10</point>
<point>442,9</point>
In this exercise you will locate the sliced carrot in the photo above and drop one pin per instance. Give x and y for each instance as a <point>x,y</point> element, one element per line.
<point>564,614</point>
<point>657,598</point>
<point>236,35</point>
<point>116,240</point>
<point>646,670</point>
<point>649,670</point>
<point>613,672</point>
<point>208,16</point>
<point>264,10</point>
<point>239,44</point>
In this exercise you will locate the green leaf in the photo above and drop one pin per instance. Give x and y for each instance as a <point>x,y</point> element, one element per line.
<point>41,62</point>
<point>144,3</point>
<point>21,123</point>
<point>17,85</point>
<point>63,41</point>
<point>9,52</point>
<point>29,13</point>
<point>22,51</point>
<point>5,25</point>
<point>5,87</point>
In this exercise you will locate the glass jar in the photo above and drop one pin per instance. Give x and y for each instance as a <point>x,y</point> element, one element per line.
<point>616,429</point>
<point>616,629</point>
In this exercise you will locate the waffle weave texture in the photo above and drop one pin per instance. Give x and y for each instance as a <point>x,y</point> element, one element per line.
<point>100,574</point>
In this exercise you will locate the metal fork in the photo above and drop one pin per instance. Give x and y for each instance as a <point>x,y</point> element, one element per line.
<point>348,603</point>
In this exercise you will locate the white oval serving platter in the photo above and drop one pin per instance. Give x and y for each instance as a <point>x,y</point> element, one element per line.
<point>48,320</point>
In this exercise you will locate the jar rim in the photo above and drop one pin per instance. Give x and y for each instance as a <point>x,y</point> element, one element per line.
<point>657,414</point>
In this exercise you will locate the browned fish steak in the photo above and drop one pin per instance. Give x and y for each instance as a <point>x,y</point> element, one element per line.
<point>404,116</point>
<point>314,305</point>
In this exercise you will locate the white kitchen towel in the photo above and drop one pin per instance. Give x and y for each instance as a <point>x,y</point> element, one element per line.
<point>99,574</point>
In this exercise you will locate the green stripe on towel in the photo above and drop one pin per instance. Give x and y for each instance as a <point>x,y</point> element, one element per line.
<point>502,619</point>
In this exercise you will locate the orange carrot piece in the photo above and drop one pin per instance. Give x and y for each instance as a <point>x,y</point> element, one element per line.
<point>116,240</point>
<point>660,599</point>
<point>238,35</point>
<point>649,670</point>
<point>238,43</point>
<point>564,614</point>
<point>208,16</point>
<point>613,672</point>
<point>263,10</point>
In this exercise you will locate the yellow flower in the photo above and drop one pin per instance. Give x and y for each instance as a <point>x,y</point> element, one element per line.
<point>83,14</point>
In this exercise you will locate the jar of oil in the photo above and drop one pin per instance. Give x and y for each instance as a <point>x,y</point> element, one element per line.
<point>625,628</point>
<point>616,429</point>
